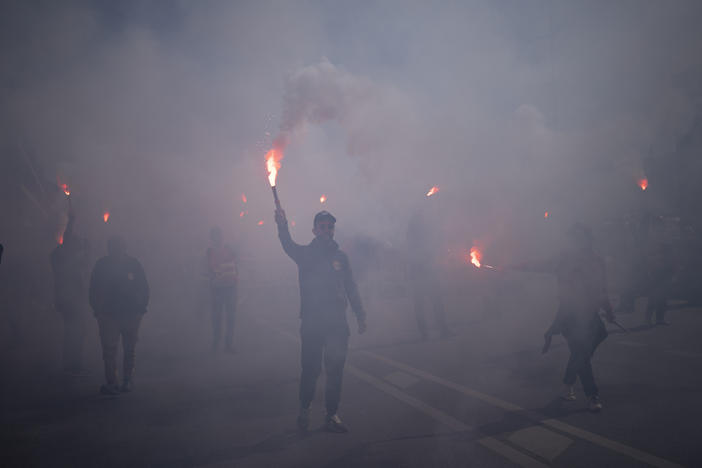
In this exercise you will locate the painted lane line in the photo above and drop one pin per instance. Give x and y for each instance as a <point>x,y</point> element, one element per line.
<point>554,423</point>
<point>510,454</point>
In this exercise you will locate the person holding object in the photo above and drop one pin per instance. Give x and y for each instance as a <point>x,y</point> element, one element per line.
<point>326,288</point>
<point>582,292</point>
<point>119,294</point>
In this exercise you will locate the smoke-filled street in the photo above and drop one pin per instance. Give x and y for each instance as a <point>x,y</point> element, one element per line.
<point>311,233</point>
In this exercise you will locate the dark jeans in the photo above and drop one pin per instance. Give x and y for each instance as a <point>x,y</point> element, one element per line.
<point>111,328</point>
<point>333,347</point>
<point>223,303</point>
<point>579,365</point>
<point>419,294</point>
<point>73,335</point>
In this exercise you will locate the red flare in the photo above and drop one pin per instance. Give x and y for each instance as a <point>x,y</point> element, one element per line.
<point>475,256</point>
<point>432,191</point>
<point>260,223</point>
<point>243,198</point>
<point>643,183</point>
<point>106,216</point>
<point>273,158</point>
<point>545,214</point>
<point>323,198</point>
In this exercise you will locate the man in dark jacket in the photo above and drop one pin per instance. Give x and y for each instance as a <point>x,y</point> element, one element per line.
<point>326,289</point>
<point>119,294</point>
<point>582,292</point>
<point>69,264</point>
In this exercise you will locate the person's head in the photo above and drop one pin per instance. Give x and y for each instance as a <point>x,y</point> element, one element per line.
<point>116,246</point>
<point>323,225</point>
<point>216,236</point>
<point>580,236</point>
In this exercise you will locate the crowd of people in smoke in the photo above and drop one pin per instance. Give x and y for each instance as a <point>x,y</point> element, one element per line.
<point>117,291</point>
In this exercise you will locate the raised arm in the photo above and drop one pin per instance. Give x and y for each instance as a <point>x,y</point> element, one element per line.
<point>293,250</point>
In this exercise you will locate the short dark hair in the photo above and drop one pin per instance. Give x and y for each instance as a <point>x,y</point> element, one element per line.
<point>323,216</point>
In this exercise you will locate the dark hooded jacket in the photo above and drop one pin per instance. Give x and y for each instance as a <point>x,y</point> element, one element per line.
<point>118,286</point>
<point>326,284</point>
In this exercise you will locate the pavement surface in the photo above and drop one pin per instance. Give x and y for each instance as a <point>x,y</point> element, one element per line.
<point>484,397</point>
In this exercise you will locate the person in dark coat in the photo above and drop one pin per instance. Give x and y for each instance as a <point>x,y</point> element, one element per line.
<point>69,265</point>
<point>119,295</point>
<point>326,288</point>
<point>582,292</point>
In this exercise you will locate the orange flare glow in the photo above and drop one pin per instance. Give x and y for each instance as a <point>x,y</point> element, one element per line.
<point>243,198</point>
<point>260,223</point>
<point>432,191</point>
<point>273,158</point>
<point>545,214</point>
<point>323,198</point>
<point>643,183</point>
<point>64,187</point>
<point>241,215</point>
<point>475,256</point>
<point>59,239</point>
<point>106,216</point>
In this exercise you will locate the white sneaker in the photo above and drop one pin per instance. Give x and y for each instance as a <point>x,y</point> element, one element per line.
<point>568,394</point>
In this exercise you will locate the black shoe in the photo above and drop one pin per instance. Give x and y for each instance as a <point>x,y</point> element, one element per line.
<point>109,389</point>
<point>303,419</point>
<point>335,425</point>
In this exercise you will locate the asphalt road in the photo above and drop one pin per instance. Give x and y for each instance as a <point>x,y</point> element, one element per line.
<point>485,397</point>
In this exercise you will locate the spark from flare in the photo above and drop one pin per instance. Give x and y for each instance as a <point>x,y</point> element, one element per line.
<point>260,223</point>
<point>60,239</point>
<point>65,189</point>
<point>643,183</point>
<point>545,214</point>
<point>106,216</point>
<point>323,198</point>
<point>242,214</point>
<point>243,198</point>
<point>432,191</point>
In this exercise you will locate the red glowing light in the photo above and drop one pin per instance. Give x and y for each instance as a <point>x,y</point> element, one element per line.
<point>643,183</point>
<point>260,223</point>
<point>432,191</point>
<point>273,158</point>
<point>323,198</point>
<point>545,214</point>
<point>106,216</point>
<point>243,198</point>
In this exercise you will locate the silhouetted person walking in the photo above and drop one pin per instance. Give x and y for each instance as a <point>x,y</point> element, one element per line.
<point>326,289</point>
<point>119,294</point>
<point>582,292</point>
<point>69,264</point>
<point>222,272</point>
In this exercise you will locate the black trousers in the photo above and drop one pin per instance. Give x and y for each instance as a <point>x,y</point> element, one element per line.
<point>223,304</point>
<point>331,347</point>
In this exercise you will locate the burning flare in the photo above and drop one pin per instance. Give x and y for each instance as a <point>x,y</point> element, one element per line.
<point>106,216</point>
<point>243,198</point>
<point>643,183</point>
<point>475,256</point>
<point>323,198</point>
<point>432,191</point>
<point>260,223</point>
<point>64,187</point>
<point>273,158</point>
<point>545,214</point>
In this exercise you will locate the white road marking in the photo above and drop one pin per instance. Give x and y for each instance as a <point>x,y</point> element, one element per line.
<point>401,379</point>
<point>554,423</point>
<point>544,443</point>
<point>510,454</point>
